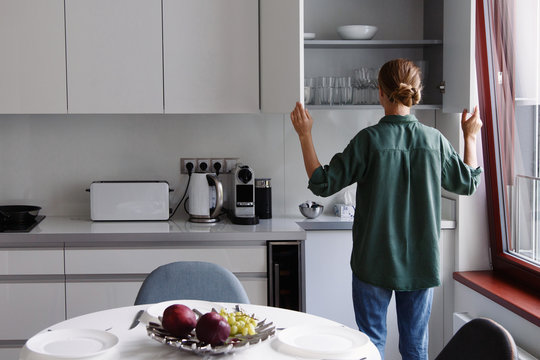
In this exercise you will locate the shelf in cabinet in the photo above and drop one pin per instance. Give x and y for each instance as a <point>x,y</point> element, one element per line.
<point>366,44</point>
<point>369,107</point>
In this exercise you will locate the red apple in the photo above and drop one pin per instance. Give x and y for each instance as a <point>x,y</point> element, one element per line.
<point>212,328</point>
<point>179,320</point>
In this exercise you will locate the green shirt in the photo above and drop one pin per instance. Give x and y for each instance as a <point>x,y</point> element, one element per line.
<point>399,166</point>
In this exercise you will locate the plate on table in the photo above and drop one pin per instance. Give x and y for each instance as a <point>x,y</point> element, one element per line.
<point>323,341</point>
<point>71,344</point>
<point>264,330</point>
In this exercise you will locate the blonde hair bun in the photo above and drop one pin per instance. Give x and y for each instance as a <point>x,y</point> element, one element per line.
<point>400,81</point>
<point>406,94</point>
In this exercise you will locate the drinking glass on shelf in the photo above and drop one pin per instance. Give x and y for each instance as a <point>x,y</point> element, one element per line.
<point>309,90</point>
<point>345,90</point>
<point>362,81</point>
<point>326,90</point>
<point>372,87</point>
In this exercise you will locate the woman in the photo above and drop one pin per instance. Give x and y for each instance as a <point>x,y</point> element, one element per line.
<point>399,166</point>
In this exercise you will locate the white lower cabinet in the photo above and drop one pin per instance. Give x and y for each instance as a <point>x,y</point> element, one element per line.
<point>41,286</point>
<point>83,297</point>
<point>88,296</point>
<point>10,353</point>
<point>30,306</point>
<point>32,294</point>
<point>329,287</point>
<point>104,278</point>
<point>31,291</point>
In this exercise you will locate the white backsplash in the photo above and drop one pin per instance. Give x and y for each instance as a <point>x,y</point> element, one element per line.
<point>49,160</point>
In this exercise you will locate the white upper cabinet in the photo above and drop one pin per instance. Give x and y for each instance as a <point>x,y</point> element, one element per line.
<point>114,56</point>
<point>282,54</point>
<point>211,56</point>
<point>437,34</point>
<point>459,55</point>
<point>32,64</point>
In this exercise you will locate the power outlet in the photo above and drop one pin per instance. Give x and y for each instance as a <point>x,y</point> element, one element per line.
<point>203,165</point>
<point>230,164</point>
<point>184,165</point>
<point>217,165</point>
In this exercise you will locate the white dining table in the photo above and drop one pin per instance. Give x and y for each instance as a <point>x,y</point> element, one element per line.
<point>135,344</point>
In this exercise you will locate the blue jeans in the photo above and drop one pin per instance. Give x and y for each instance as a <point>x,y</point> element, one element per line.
<point>413,309</point>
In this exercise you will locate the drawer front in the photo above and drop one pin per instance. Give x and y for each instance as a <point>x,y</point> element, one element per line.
<point>142,261</point>
<point>32,262</point>
<point>256,289</point>
<point>10,352</point>
<point>86,297</point>
<point>30,308</point>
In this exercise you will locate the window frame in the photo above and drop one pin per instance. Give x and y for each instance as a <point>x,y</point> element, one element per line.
<point>505,264</point>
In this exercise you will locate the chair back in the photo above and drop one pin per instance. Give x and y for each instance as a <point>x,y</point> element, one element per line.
<point>480,339</point>
<point>195,280</point>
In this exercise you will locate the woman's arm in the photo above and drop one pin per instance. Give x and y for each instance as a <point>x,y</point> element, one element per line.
<point>470,127</point>
<point>303,122</point>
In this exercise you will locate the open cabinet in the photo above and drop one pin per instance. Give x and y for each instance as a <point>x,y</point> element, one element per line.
<point>438,33</point>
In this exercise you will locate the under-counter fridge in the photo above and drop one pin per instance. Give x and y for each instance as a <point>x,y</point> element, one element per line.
<point>286,282</point>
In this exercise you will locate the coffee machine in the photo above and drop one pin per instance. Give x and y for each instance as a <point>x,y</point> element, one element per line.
<point>242,196</point>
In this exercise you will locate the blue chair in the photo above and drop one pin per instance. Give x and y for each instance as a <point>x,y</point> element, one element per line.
<point>480,339</point>
<point>195,280</point>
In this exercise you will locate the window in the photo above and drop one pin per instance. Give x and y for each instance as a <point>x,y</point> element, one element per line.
<point>508,69</point>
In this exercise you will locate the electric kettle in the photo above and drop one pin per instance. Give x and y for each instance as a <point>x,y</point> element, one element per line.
<point>205,198</point>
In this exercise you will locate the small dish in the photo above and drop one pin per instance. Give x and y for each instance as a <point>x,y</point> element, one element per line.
<point>357,32</point>
<point>323,341</point>
<point>71,344</point>
<point>309,36</point>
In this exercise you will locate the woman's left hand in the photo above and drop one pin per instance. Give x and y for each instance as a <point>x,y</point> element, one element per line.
<point>301,120</point>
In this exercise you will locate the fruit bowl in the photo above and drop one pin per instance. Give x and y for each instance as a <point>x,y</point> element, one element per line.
<point>357,32</point>
<point>191,343</point>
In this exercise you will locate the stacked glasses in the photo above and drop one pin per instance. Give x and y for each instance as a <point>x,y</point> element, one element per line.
<point>328,90</point>
<point>362,89</point>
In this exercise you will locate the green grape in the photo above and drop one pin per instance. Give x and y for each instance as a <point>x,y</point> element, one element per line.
<point>240,322</point>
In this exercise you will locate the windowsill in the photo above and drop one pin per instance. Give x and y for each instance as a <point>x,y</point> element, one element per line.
<point>521,301</point>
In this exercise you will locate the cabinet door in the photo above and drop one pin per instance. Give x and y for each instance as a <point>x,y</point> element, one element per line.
<point>30,306</point>
<point>114,56</point>
<point>459,55</point>
<point>329,276</point>
<point>32,65</point>
<point>211,56</point>
<point>282,54</point>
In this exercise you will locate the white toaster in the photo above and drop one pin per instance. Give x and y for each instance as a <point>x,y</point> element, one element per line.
<point>129,200</point>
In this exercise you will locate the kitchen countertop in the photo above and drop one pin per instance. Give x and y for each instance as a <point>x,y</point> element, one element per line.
<point>79,231</point>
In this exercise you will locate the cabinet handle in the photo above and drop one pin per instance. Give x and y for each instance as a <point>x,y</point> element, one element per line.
<point>276,285</point>
<point>442,87</point>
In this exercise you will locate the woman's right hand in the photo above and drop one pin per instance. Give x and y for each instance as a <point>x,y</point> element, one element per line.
<point>301,120</point>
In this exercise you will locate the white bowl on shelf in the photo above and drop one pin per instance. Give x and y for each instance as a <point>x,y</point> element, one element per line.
<point>357,32</point>
<point>309,36</point>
